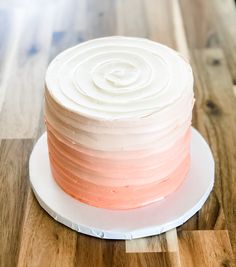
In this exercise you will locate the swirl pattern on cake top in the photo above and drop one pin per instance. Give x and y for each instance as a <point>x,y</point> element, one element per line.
<point>118,112</point>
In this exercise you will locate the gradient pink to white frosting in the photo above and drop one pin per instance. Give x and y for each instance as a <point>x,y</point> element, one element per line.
<point>118,113</point>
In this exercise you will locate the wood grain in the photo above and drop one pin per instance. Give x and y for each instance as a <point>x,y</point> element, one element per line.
<point>160,243</point>
<point>211,24</point>
<point>44,242</point>
<point>204,32</point>
<point>14,185</point>
<point>160,27</point>
<point>24,73</point>
<point>131,23</point>
<point>205,248</point>
<point>227,31</point>
<point>14,23</point>
<point>200,27</point>
<point>179,30</point>
<point>218,123</point>
<point>101,20</point>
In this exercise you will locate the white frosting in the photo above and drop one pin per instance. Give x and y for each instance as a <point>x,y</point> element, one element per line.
<point>117,78</point>
<point>120,93</point>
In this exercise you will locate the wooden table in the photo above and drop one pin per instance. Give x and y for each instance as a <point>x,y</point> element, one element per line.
<point>31,35</point>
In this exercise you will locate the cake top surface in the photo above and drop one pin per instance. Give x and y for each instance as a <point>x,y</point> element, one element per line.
<point>118,78</point>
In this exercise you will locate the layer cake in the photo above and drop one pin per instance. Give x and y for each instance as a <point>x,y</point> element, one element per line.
<point>118,113</point>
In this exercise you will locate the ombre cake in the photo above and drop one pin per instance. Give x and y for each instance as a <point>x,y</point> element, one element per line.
<point>118,114</point>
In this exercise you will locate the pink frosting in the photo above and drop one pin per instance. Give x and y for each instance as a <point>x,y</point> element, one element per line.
<point>111,182</point>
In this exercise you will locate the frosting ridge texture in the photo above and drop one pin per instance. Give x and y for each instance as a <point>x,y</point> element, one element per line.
<point>118,113</point>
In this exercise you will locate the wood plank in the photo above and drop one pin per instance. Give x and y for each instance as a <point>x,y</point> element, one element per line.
<point>97,252</point>
<point>45,242</point>
<point>131,23</point>
<point>162,259</point>
<point>198,17</point>
<point>70,27</point>
<point>101,19</point>
<point>11,28</point>
<point>159,250</point>
<point>215,118</point>
<point>41,125</point>
<point>159,19</point>
<point>225,20</point>
<point>212,24</point>
<point>14,185</point>
<point>226,12</point>
<point>234,88</point>
<point>24,75</point>
<point>5,30</point>
<point>166,242</point>
<point>205,248</point>
<point>91,251</point>
<point>179,30</point>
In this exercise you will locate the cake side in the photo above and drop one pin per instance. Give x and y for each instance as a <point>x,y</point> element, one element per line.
<point>118,114</point>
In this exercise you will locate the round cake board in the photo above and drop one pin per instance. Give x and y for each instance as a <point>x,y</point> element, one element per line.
<point>124,224</point>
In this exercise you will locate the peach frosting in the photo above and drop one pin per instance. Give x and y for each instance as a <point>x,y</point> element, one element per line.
<point>118,113</point>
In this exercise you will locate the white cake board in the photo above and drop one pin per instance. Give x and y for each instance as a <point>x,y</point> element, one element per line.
<point>124,224</point>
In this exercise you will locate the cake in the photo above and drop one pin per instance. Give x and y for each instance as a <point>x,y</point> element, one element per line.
<point>118,115</point>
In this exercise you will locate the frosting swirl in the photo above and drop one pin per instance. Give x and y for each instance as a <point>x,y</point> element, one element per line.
<point>118,78</point>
